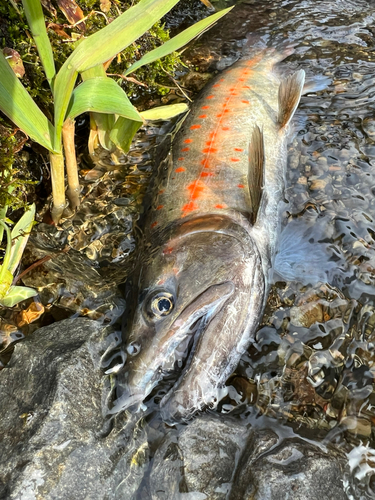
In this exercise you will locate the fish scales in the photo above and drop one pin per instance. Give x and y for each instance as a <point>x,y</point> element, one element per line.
<point>210,155</point>
<point>209,243</point>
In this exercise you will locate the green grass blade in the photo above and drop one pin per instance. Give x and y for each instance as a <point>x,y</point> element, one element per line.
<point>20,235</point>
<point>165,112</point>
<point>101,95</point>
<point>109,41</point>
<point>123,132</point>
<point>101,46</point>
<point>178,41</point>
<point>19,107</point>
<point>35,19</point>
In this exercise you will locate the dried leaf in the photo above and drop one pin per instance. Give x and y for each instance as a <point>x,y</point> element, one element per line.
<point>47,4</point>
<point>208,4</point>
<point>105,5</point>
<point>31,314</point>
<point>57,28</point>
<point>73,12</point>
<point>15,61</point>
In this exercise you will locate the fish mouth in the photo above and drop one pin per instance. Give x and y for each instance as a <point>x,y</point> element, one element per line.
<point>179,343</point>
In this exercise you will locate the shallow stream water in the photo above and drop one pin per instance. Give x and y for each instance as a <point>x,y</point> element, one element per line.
<point>311,368</point>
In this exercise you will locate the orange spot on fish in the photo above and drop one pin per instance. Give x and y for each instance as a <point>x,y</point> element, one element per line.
<point>161,191</point>
<point>205,107</point>
<point>209,143</point>
<point>210,97</point>
<point>221,80</point>
<point>168,250</point>
<point>241,79</point>
<point>181,158</point>
<point>206,174</point>
<point>246,87</point>
<point>196,189</point>
<point>216,85</point>
<point>189,207</point>
<point>234,159</point>
<point>241,186</point>
<point>226,110</point>
<point>225,128</point>
<point>188,141</point>
<point>209,150</point>
<point>232,90</point>
<point>219,115</point>
<point>238,149</point>
<point>195,127</point>
<point>219,206</point>
<point>211,134</point>
<point>202,116</point>
<point>154,224</point>
<point>185,149</point>
<point>159,207</point>
<point>245,101</point>
<point>180,169</point>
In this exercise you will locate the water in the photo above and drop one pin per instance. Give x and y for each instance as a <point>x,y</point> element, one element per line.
<point>312,364</point>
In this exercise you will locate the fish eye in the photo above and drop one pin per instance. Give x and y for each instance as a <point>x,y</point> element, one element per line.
<point>161,304</point>
<point>133,348</point>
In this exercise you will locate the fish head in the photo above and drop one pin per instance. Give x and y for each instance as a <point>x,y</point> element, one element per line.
<point>200,295</point>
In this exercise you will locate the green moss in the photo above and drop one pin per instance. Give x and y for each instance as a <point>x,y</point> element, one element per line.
<point>14,175</point>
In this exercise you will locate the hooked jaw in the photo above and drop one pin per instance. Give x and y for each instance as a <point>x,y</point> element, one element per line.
<point>217,354</point>
<point>143,373</point>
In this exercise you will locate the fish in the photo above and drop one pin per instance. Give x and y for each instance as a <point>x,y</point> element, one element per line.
<point>210,239</point>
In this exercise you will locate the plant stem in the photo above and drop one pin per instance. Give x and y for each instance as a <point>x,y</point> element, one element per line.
<point>58,185</point>
<point>71,162</point>
<point>4,209</point>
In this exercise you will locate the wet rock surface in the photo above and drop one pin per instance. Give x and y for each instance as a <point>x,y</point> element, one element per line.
<point>280,469</point>
<point>55,443</point>
<point>51,415</point>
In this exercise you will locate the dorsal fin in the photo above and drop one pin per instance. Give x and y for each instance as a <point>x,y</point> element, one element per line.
<point>256,171</point>
<point>290,91</point>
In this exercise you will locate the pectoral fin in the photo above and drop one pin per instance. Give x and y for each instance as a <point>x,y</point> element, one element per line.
<point>290,91</point>
<point>256,171</point>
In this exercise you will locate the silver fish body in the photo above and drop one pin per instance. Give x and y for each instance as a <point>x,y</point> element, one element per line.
<point>210,240</point>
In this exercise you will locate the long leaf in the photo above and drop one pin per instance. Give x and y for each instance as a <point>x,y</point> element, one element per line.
<point>102,95</point>
<point>17,294</point>
<point>103,45</point>
<point>35,19</point>
<point>178,41</point>
<point>164,112</point>
<point>20,235</point>
<point>18,105</point>
<point>123,132</point>
<point>104,124</point>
